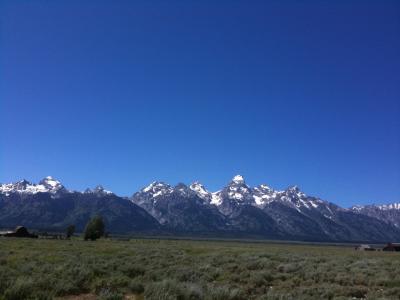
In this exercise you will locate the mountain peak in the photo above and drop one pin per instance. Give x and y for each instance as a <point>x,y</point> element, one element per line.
<point>155,185</point>
<point>181,186</point>
<point>200,190</point>
<point>264,187</point>
<point>183,189</point>
<point>157,188</point>
<point>100,189</point>
<point>21,185</point>
<point>50,184</point>
<point>295,190</point>
<point>237,190</point>
<point>238,179</point>
<point>23,181</point>
<point>49,180</point>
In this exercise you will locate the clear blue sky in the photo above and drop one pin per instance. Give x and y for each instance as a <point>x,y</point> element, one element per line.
<point>126,92</point>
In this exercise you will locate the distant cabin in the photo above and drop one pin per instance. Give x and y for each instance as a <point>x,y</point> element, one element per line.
<point>20,231</point>
<point>391,247</point>
<point>365,248</point>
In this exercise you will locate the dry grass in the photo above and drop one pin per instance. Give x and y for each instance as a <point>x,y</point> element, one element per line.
<point>165,269</point>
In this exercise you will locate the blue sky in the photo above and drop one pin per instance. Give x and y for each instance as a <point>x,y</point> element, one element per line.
<point>126,92</point>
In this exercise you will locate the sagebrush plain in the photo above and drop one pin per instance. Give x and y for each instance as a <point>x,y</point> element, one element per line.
<point>184,269</point>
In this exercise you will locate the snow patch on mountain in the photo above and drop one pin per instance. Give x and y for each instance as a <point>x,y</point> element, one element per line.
<point>395,206</point>
<point>383,207</point>
<point>238,179</point>
<point>200,190</point>
<point>264,195</point>
<point>216,198</point>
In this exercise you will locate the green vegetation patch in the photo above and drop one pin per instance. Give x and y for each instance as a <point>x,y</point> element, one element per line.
<point>166,269</point>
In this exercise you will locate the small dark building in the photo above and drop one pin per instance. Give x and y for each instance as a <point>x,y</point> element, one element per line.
<point>391,247</point>
<point>20,231</point>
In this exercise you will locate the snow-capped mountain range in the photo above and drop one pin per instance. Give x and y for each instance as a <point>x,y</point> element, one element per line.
<point>388,213</point>
<point>236,193</point>
<point>235,210</point>
<point>46,185</point>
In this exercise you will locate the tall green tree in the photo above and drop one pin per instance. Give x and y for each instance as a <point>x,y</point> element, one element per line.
<point>94,229</point>
<point>70,231</point>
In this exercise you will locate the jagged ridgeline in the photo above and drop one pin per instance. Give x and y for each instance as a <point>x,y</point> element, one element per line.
<point>237,210</point>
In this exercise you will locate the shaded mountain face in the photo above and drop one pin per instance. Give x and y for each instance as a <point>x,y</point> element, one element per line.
<point>48,205</point>
<point>389,213</point>
<point>235,210</point>
<point>180,208</point>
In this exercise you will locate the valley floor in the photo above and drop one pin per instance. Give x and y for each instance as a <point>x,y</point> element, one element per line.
<point>183,269</point>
